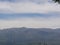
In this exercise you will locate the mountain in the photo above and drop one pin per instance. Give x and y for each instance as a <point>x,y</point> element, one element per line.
<point>23,36</point>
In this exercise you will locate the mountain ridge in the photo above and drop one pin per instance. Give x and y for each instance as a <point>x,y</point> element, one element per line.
<point>29,35</point>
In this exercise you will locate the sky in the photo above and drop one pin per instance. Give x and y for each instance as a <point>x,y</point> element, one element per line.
<point>29,13</point>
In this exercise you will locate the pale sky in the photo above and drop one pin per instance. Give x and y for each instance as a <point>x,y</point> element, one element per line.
<point>29,13</point>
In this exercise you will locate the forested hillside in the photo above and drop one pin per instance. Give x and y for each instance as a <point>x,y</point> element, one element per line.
<point>30,36</point>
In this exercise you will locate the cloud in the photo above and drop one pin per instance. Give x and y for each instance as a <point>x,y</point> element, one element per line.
<point>28,7</point>
<point>24,0</point>
<point>31,23</point>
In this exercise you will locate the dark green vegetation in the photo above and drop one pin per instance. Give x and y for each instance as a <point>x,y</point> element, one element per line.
<point>30,36</point>
<point>57,1</point>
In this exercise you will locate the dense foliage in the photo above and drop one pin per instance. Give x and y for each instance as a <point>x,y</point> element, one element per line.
<point>57,1</point>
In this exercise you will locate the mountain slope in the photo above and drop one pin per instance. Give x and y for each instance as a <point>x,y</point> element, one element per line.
<point>27,35</point>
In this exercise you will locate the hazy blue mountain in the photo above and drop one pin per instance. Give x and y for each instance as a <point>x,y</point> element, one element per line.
<point>17,36</point>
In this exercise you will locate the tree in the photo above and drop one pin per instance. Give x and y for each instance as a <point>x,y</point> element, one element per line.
<point>57,1</point>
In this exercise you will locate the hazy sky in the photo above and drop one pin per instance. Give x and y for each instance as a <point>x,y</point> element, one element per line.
<point>29,13</point>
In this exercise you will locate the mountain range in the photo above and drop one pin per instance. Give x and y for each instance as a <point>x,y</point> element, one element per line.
<point>23,36</point>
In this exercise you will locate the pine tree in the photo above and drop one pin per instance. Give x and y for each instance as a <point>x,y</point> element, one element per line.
<point>57,1</point>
